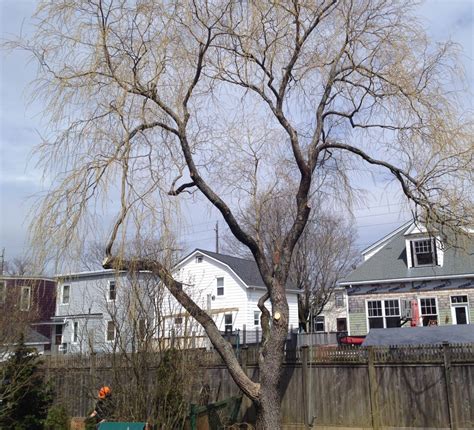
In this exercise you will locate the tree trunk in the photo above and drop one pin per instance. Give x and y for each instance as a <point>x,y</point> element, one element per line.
<point>271,366</point>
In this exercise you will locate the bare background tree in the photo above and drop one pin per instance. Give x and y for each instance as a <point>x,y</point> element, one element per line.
<point>146,101</point>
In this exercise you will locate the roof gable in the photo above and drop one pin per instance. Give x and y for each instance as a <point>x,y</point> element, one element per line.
<point>389,262</point>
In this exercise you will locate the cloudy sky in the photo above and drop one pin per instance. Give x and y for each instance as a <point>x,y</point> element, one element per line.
<point>21,125</point>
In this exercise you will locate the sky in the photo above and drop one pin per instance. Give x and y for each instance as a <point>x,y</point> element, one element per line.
<point>21,127</point>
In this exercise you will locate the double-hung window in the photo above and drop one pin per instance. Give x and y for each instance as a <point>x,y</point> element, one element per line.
<point>228,323</point>
<point>429,311</point>
<point>256,318</point>
<point>383,313</point>
<point>319,323</point>
<point>110,334</point>
<point>423,252</point>
<point>339,299</point>
<point>25,298</point>
<point>65,296</point>
<point>220,286</point>
<point>112,292</point>
<point>75,332</point>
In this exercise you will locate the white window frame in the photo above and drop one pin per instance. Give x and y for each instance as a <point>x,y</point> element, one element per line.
<point>437,308</point>
<point>384,315</point>
<point>459,305</point>
<point>107,331</point>
<point>109,284</point>
<point>227,324</point>
<point>75,332</point>
<point>25,288</point>
<point>199,259</point>
<point>68,296</point>
<point>432,241</point>
<point>3,292</point>
<point>323,320</point>
<point>220,287</point>
<point>256,318</point>
<point>341,304</point>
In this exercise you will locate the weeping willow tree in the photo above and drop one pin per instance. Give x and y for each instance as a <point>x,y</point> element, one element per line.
<point>150,103</point>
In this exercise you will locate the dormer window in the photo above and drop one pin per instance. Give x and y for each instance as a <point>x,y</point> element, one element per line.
<point>423,252</point>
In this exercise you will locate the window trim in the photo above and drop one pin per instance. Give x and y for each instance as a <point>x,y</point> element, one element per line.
<point>115,290</point>
<point>25,288</point>
<point>227,324</point>
<point>459,305</point>
<point>341,293</point>
<point>62,294</point>
<point>256,318</point>
<point>107,331</point>
<point>384,315</point>
<point>437,308</point>
<point>434,256</point>
<point>220,287</point>
<point>75,332</point>
<point>199,259</point>
<point>316,324</point>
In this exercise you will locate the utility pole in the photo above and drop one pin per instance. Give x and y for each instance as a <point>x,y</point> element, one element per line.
<point>217,236</point>
<point>3,261</point>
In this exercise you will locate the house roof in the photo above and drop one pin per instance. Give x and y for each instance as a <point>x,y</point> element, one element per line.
<point>32,337</point>
<point>433,335</point>
<point>245,269</point>
<point>389,264</point>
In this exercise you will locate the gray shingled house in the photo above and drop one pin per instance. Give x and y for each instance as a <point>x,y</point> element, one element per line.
<point>411,266</point>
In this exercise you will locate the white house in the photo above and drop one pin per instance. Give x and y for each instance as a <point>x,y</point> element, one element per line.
<point>102,311</point>
<point>106,310</point>
<point>229,289</point>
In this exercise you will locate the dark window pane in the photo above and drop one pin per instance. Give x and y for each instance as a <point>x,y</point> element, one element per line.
<point>375,322</point>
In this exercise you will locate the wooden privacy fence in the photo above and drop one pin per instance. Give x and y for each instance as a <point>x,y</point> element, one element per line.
<point>324,387</point>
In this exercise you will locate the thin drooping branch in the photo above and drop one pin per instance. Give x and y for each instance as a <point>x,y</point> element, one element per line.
<point>224,348</point>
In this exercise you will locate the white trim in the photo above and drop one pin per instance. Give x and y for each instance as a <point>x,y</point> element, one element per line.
<point>437,309</point>
<point>386,238</point>
<point>421,278</point>
<point>25,287</point>
<point>460,305</point>
<point>109,300</point>
<point>75,342</point>
<point>384,315</point>
<point>185,260</point>
<point>107,330</point>
<point>62,295</point>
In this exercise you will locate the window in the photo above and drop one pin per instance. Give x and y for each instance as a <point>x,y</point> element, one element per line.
<point>110,335</point>
<point>458,300</point>
<point>3,292</point>
<point>383,313</point>
<point>339,298</point>
<point>460,309</point>
<point>228,323</point>
<point>199,259</point>
<point>220,286</point>
<point>429,313</point>
<point>25,298</point>
<point>256,317</point>
<point>178,320</point>
<point>392,313</point>
<point>112,291</point>
<point>341,324</point>
<point>66,294</point>
<point>75,332</point>
<point>423,252</point>
<point>375,313</point>
<point>319,323</point>
<point>142,328</point>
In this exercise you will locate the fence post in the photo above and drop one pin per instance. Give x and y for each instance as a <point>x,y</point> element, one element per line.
<point>304,377</point>
<point>449,393</point>
<point>244,358</point>
<point>373,389</point>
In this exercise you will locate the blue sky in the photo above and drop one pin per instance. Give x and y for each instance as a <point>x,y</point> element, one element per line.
<point>21,125</point>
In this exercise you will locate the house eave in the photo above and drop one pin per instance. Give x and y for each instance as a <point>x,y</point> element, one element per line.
<point>408,279</point>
